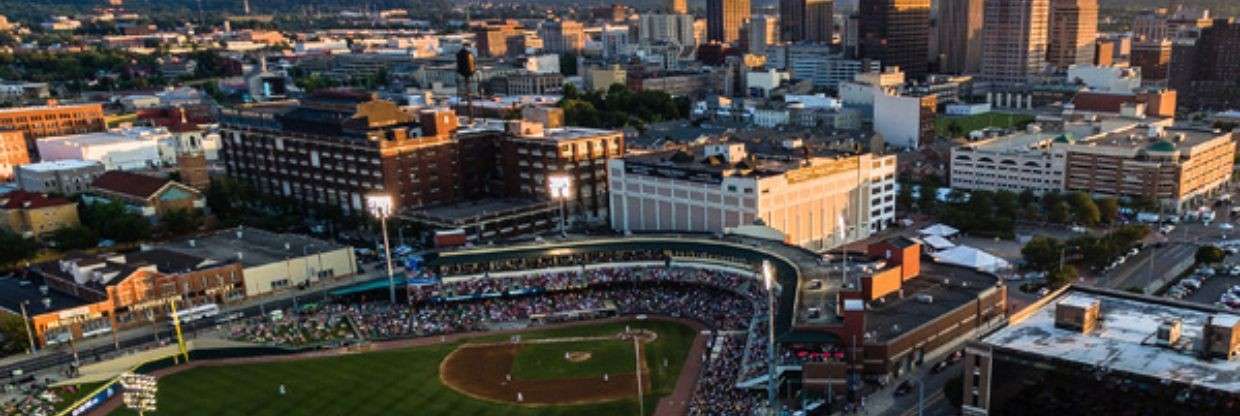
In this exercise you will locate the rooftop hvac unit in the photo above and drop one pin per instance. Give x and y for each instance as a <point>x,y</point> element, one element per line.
<point>1169,332</point>
<point>924,298</point>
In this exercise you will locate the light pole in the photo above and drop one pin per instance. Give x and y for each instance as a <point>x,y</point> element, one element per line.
<point>380,206</point>
<point>637,352</point>
<point>140,392</point>
<point>26,324</point>
<point>560,186</point>
<point>768,279</point>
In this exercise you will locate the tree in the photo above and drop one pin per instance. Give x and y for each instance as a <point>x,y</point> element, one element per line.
<point>1060,212</point>
<point>1084,210</point>
<point>1007,204</point>
<point>1061,276</point>
<point>74,238</point>
<point>180,221</point>
<point>1042,253</point>
<point>13,334</point>
<point>904,198</point>
<point>927,198</point>
<point>15,248</point>
<point>954,129</point>
<point>114,221</point>
<point>1109,209</point>
<point>1210,255</point>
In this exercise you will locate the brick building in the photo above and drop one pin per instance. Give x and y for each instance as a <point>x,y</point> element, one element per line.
<point>148,196</point>
<point>13,153</point>
<point>52,120</point>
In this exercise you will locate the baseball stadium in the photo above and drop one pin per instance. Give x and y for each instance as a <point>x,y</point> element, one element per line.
<point>607,326</point>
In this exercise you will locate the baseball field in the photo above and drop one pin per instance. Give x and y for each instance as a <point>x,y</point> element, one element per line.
<point>585,369</point>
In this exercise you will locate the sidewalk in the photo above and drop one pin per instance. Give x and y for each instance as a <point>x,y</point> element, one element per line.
<point>148,331</point>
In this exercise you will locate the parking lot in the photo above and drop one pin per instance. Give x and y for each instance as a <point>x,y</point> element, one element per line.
<point>1209,286</point>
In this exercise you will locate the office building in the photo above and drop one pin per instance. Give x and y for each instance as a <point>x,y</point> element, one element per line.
<point>1014,41</point>
<point>761,31</point>
<point>13,153</point>
<point>1132,353</point>
<point>563,36</point>
<point>1154,59</point>
<point>65,177</point>
<point>671,28</point>
<point>1207,71</point>
<point>51,120</point>
<point>491,39</point>
<point>960,36</point>
<point>720,186</point>
<point>896,33</point>
<point>724,19</point>
<point>1073,32</point>
<point>806,20</point>
<point>821,66</point>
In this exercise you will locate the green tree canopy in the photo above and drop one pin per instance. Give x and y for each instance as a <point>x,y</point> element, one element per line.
<point>74,238</point>
<point>1042,253</point>
<point>1210,255</point>
<point>15,248</point>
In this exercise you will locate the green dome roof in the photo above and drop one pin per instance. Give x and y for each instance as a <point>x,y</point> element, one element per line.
<point>1065,138</point>
<point>1162,146</point>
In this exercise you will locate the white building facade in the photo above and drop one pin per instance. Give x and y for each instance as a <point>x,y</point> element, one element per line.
<point>808,201</point>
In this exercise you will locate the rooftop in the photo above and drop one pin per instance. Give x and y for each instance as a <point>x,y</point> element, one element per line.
<point>255,247</point>
<point>129,183</point>
<point>55,165</point>
<point>1123,340</point>
<point>115,136</point>
<point>46,107</point>
<point>14,291</point>
<point>30,200</point>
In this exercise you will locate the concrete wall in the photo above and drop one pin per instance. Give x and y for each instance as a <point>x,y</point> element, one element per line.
<point>260,279</point>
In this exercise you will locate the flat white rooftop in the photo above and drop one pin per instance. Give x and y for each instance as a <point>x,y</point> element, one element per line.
<point>55,165</point>
<point>1124,340</point>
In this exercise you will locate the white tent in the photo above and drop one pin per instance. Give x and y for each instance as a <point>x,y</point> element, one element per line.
<point>937,242</point>
<point>972,258</point>
<point>941,230</point>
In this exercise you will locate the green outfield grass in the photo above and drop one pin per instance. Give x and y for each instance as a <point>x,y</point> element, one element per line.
<point>942,124</point>
<point>399,382</point>
<point>547,362</point>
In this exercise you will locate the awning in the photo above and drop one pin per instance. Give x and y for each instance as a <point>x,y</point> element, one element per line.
<point>937,242</point>
<point>972,258</point>
<point>941,230</point>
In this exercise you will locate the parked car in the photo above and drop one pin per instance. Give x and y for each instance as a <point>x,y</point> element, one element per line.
<point>903,389</point>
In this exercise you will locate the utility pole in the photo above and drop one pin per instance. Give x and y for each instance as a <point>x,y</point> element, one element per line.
<point>26,324</point>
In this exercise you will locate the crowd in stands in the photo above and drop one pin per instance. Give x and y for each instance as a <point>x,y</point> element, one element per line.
<point>319,324</point>
<point>714,393</point>
<point>723,301</point>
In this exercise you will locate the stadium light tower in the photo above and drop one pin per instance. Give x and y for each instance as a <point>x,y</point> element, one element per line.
<point>380,205</point>
<point>768,280</point>
<point>140,392</point>
<point>560,186</point>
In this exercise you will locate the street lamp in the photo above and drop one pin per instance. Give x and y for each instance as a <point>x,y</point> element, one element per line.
<point>140,392</point>
<point>768,280</point>
<point>380,205</point>
<point>26,324</point>
<point>560,186</point>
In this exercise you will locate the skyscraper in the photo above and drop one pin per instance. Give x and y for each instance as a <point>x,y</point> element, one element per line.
<point>563,36</point>
<point>1014,37</point>
<point>762,30</point>
<point>960,36</point>
<point>806,20</point>
<point>897,33</point>
<point>1073,31</point>
<point>819,23</point>
<point>724,19</point>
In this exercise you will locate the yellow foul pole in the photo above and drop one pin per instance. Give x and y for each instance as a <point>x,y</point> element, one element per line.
<point>176,323</point>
